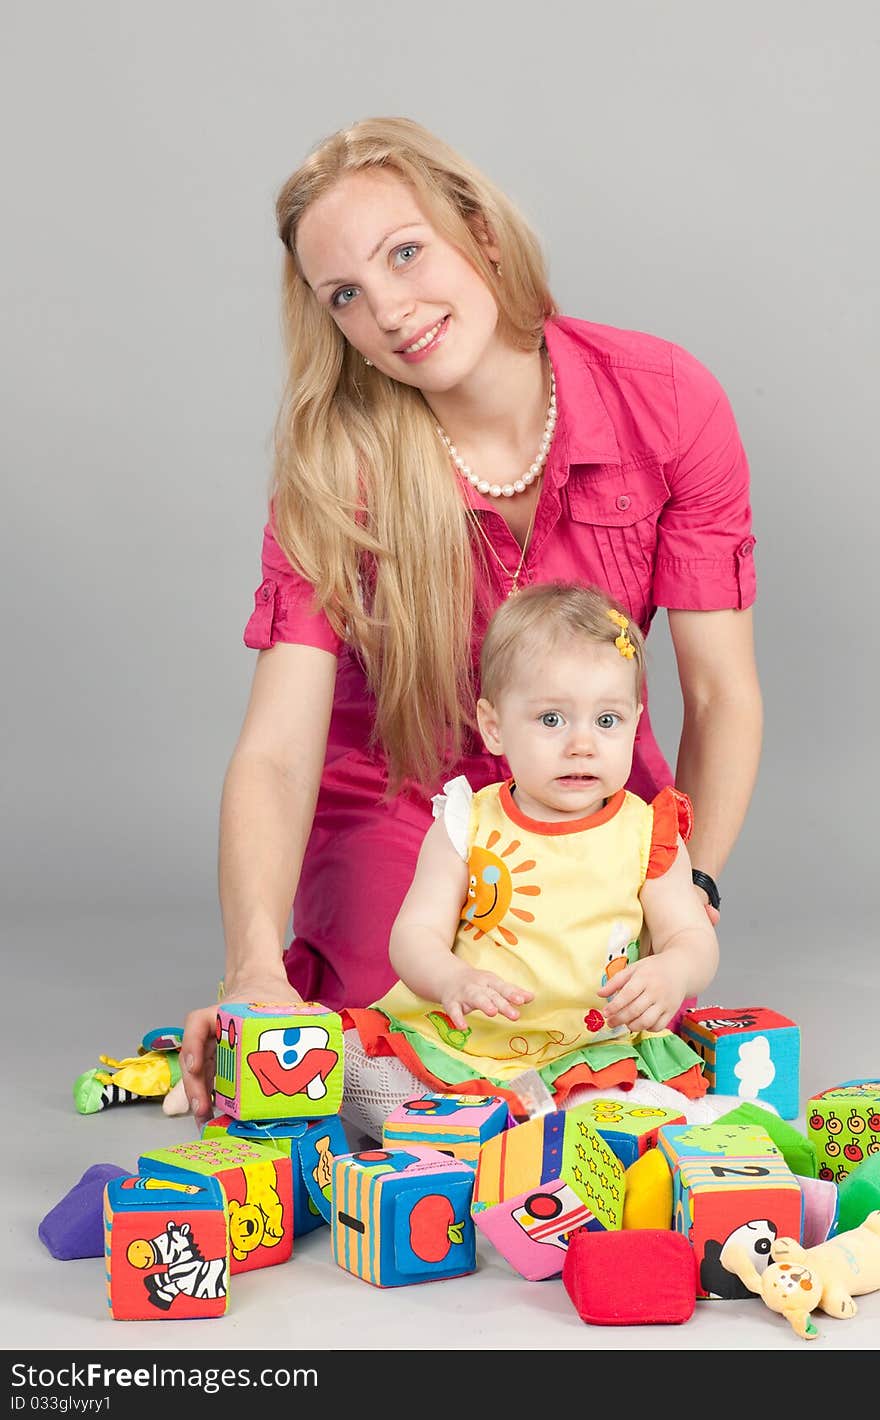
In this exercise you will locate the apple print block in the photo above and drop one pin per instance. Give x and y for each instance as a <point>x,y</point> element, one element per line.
<point>539,1182</point>
<point>457,1124</point>
<point>748,1051</point>
<point>278,1062</point>
<point>402,1215</point>
<point>844,1125</point>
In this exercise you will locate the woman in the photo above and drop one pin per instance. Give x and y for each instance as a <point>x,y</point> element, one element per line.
<point>446,438</point>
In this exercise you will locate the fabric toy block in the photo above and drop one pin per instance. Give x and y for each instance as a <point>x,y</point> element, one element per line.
<point>538,1182</point>
<point>456,1124</point>
<point>688,1141</point>
<point>647,1199</point>
<point>627,1279</point>
<point>721,1198</point>
<point>821,1210</point>
<point>75,1226</point>
<point>859,1193</point>
<point>257,1180</point>
<point>278,1062</point>
<point>750,1051</point>
<point>166,1246</point>
<point>630,1129</point>
<point>402,1216</point>
<point>844,1125</point>
<point>798,1151</point>
<point>312,1145</point>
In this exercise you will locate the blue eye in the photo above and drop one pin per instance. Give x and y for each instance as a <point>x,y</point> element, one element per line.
<point>410,247</point>
<point>337,300</point>
<point>607,721</point>
<point>552,719</point>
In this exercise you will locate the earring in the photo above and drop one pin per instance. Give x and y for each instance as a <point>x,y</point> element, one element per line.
<point>366,361</point>
<point>497,265</point>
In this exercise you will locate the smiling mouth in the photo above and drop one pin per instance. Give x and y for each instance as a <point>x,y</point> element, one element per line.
<point>424,341</point>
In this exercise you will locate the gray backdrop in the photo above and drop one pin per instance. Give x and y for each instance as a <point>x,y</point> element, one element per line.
<point>699,170</point>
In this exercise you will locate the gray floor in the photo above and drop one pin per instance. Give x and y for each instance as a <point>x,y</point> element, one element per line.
<point>76,988</point>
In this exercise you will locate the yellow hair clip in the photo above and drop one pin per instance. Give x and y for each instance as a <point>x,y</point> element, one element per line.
<point>622,642</point>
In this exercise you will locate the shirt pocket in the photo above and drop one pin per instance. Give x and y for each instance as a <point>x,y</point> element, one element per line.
<point>617,508</point>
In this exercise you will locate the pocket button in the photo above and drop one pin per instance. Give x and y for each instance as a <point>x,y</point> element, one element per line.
<point>623,502</point>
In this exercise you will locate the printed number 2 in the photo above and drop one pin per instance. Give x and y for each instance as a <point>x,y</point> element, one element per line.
<point>747,1171</point>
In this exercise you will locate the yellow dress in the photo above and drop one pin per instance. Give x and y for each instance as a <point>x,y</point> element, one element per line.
<point>553,907</point>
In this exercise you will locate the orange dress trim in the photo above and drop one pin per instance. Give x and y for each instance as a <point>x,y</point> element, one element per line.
<point>673,815</point>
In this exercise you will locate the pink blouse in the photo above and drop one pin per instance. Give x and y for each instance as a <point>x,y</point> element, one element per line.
<point>645,494</point>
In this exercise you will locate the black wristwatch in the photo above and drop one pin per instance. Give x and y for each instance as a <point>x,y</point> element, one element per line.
<point>709,886</point>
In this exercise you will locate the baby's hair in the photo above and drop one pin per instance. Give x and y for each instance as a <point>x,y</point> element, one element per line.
<point>539,618</point>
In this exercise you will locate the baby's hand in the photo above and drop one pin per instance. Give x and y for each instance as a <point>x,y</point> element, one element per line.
<point>471,990</point>
<point>647,994</point>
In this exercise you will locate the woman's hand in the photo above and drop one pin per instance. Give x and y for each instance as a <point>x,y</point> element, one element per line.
<point>647,994</point>
<point>471,990</point>
<point>199,1044</point>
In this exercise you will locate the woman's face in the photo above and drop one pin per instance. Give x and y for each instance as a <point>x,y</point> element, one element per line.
<point>400,293</point>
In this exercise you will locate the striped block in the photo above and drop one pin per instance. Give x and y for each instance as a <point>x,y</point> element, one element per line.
<point>540,1181</point>
<point>458,1125</point>
<point>401,1216</point>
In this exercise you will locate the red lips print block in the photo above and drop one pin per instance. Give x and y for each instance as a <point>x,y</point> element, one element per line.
<point>274,1062</point>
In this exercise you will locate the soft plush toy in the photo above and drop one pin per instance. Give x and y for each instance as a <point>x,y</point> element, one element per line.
<point>149,1075</point>
<point>799,1280</point>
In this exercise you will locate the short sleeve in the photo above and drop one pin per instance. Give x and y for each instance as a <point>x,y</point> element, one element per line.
<point>454,807</point>
<point>705,547</point>
<point>673,816</point>
<point>284,607</point>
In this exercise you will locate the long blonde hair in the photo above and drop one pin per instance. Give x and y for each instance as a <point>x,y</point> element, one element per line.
<point>364,502</point>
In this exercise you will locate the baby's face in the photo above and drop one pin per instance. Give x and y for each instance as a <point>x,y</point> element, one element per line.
<point>567,725</point>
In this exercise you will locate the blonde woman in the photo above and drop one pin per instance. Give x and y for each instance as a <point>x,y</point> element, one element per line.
<point>446,438</point>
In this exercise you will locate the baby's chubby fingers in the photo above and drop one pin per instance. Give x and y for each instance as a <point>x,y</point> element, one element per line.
<point>619,980</point>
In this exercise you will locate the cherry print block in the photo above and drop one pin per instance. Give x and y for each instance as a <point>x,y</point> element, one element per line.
<point>274,1062</point>
<point>402,1216</point>
<point>311,1145</point>
<point>630,1129</point>
<point>538,1182</point>
<point>747,1051</point>
<point>257,1181</point>
<point>456,1124</point>
<point>634,1278</point>
<point>166,1247</point>
<point>844,1125</point>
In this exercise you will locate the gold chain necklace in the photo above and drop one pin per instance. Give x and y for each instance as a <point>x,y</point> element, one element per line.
<point>514,576</point>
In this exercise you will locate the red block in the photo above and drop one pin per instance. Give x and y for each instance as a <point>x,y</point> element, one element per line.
<point>639,1277</point>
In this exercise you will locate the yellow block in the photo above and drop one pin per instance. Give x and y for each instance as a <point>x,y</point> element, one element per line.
<point>647,1202</point>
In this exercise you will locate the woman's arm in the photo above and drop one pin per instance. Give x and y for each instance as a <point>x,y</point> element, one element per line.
<point>683,958</point>
<point>266,814</point>
<point>420,947</point>
<point>722,728</point>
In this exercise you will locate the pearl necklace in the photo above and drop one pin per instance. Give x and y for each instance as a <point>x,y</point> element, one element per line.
<point>507,490</point>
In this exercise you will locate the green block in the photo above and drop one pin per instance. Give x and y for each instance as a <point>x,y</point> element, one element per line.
<point>795,1148</point>
<point>859,1193</point>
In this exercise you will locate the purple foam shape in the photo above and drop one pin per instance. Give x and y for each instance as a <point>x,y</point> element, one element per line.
<point>75,1226</point>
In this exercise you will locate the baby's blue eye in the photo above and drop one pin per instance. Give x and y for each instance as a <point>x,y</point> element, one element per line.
<point>552,719</point>
<point>608,721</point>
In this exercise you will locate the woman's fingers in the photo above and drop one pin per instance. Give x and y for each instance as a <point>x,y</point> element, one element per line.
<point>197,1060</point>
